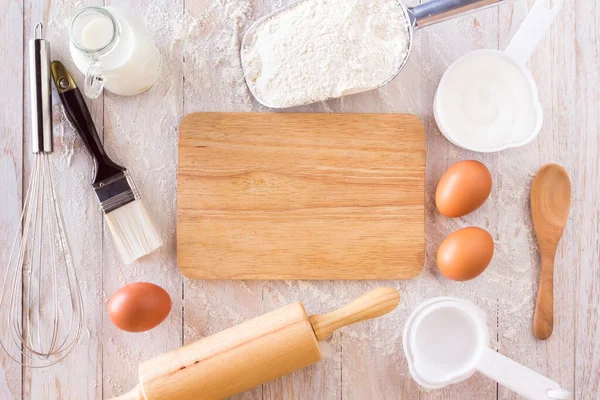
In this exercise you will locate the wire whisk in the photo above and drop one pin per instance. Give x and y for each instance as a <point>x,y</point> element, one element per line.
<point>41,297</point>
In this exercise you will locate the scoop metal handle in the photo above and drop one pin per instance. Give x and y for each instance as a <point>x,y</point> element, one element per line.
<point>435,11</point>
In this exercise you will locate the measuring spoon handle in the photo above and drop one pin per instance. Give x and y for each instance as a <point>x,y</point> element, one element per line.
<point>532,30</point>
<point>519,378</point>
<point>434,11</point>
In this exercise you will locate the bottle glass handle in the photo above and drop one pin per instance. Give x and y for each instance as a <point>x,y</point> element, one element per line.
<point>94,80</point>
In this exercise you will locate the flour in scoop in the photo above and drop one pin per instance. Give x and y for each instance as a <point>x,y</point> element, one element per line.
<point>321,49</point>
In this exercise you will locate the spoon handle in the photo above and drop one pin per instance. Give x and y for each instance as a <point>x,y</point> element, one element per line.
<point>543,319</point>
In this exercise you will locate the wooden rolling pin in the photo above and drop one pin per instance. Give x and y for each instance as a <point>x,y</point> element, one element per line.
<point>251,353</point>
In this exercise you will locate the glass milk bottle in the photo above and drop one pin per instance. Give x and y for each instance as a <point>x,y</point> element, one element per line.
<point>114,50</point>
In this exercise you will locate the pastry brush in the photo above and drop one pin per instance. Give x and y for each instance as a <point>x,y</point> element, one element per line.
<point>130,225</point>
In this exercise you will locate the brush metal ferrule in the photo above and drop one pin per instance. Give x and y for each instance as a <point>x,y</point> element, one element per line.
<point>62,78</point>
<point>115,192</point>
<point>41,93</point>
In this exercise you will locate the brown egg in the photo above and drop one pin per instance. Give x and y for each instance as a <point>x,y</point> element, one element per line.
<point>465,254</point>
<point>463,188</point>
<point>138,307</point>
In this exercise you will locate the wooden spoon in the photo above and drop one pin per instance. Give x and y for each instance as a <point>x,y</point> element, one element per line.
<point>550,202</point>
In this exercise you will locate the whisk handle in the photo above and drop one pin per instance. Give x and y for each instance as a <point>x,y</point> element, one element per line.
<point>79,115</point>
<point>41,93</point>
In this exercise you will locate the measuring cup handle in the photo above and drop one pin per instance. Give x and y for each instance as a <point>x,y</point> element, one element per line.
<point>519,378</point>
<point>434,11</point>
<point>94,80</point>
<point>532,30</point>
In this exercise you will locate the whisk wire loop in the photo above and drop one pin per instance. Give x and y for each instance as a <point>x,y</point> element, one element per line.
<point>41,296</point>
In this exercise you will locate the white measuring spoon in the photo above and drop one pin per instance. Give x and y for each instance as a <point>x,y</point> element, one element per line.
<point>518,52</point>
<point>446,341</point>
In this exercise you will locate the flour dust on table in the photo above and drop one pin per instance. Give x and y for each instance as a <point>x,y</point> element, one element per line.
<point>317,49</point>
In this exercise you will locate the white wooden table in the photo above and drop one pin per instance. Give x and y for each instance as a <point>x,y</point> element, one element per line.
<point>367,361</point>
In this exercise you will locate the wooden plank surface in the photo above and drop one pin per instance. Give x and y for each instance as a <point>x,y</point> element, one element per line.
<point>577,101</point>
<point>11,168</point>
<point>301,196</point>
<point>77,203</point>
<point>140,135</point>
<point>199,41</point>
<point>440,46</point>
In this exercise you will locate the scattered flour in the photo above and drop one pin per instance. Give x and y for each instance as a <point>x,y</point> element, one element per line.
<point>321,49</point>
<point>200,45</point>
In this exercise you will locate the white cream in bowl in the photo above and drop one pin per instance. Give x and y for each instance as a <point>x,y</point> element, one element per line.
<point>488,102</point>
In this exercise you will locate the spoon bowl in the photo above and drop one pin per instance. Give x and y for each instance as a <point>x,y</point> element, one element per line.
<point>550,203</point>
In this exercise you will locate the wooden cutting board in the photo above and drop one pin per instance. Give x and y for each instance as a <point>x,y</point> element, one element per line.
<point>301,196</point>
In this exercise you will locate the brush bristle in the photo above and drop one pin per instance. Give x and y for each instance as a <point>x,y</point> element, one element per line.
<point>133,232</point>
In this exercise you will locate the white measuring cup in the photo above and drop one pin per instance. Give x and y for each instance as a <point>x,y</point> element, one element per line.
<point>518,53</point>
<point>446,341</point>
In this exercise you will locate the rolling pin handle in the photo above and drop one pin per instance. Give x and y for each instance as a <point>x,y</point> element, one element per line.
<point>134,394</point>
<point>371,305</point>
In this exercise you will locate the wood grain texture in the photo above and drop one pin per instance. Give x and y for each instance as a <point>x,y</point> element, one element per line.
<point>11,166</point>
<point>139,133</point>
<point>578,101</point>
<point>301,196</point>
<point>553,67</point>
<point>211,306</point>
<point>440,46</point>
<point>366,360</point>
<point>550,204</point>
<point>374,304</point>
<point>253,352</point>
<point>78,203</point>
<point>234,360</point>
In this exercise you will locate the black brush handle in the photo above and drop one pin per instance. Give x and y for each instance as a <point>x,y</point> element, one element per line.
<point>78,114</point>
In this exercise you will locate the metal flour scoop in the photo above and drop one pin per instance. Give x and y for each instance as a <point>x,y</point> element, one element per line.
<point>417,17</point>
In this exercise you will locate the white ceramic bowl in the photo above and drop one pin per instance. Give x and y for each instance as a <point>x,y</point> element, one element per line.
<point>510,142</point>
